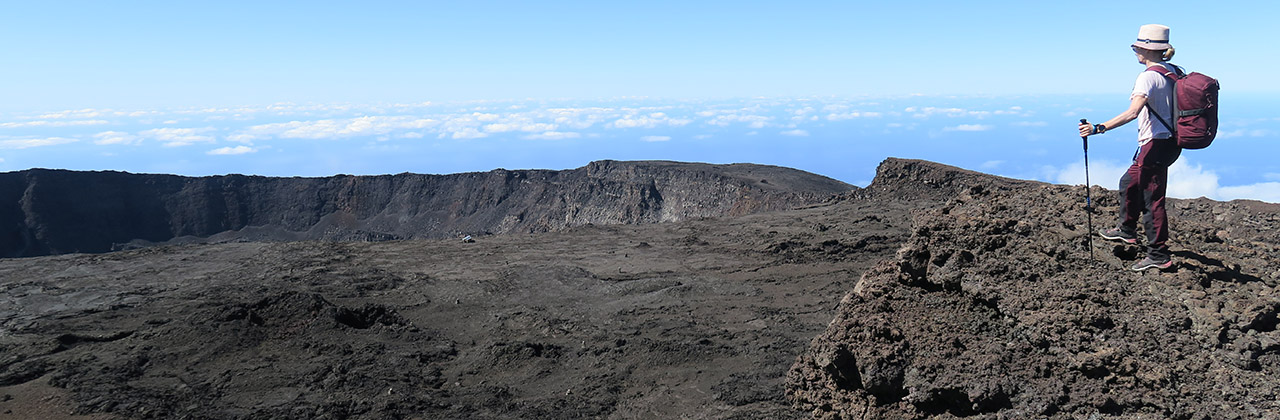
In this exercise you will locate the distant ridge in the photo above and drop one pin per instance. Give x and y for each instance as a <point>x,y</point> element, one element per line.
<point>44,212</point>
<point>921,179</point>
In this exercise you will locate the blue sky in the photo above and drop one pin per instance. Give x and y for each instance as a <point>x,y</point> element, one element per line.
<point>320,88</point>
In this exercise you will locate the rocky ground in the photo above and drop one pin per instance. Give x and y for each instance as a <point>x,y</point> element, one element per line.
<point>954,294</point>
<point>995,308</point>
<point>697,319</point>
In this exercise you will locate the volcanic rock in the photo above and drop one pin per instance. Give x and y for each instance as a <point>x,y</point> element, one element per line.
<point>935,293</point>
<point>997,307</point>
<point>44,212</point>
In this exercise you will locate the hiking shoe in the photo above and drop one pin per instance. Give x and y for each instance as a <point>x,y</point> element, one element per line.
<point>1148,263</point>
<point>1117,234</point>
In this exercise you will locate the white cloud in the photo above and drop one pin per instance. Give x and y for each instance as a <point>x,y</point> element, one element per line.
<point>238,150</point>
<point>423,104</point>
<point>36,142</point>
<point>340,128</point>
<point>466,126</point>
<point>116,137</point>
<point>467,133</point>
<point>1013,110</point>
<point>992,164</point>
<point>46,123</point>
<point>174,137</point>
<point>795,133</point>
<point>969,127</point>
<point>242,138</point>
<point>578,118</point>
<point>528,127</point>
<point>1265,191</point>
<point>500,128</point>
<point>82,113</point>
<point>852,115</point>
<point>929,111</point>
<point>1101,172</point>
<point>553,135</point>
<point>804,114</point>
<point>1185,181</point>
<point>649,121</point>
<point>536,127</point>
<point>753,121</point>
<point>1244,133</point>
<point>362,125</point>
<point>655,138</point>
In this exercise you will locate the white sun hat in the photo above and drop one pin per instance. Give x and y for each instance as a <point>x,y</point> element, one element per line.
<point>1153,37</point>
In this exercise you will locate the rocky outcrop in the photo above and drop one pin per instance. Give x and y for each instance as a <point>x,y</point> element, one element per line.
<point>913,179</point>
<point>46,212</point>
<point>998,306</point>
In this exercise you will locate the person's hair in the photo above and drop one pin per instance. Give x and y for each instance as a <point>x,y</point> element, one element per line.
<point>1165,55</point>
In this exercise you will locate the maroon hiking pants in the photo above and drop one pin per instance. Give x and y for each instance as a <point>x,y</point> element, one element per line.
<point>1142,190</point>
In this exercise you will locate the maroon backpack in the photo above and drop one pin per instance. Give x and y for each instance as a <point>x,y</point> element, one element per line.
<point>1196,102</point>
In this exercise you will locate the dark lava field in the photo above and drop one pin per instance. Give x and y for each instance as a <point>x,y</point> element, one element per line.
<point>639,291</point>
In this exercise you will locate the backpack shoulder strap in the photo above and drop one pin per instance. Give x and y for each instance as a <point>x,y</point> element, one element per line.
<point>1177,73</point>
<point>1161,70</point>
<point>1167,126</point>
<point>1173,77</point>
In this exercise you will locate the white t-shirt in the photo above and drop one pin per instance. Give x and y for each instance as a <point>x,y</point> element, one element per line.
<point>1159,92</point>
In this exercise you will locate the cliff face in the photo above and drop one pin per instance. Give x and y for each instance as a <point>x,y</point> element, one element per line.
<point>46,212</point>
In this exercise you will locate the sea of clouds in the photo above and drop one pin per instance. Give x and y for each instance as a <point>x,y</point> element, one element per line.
<point>843,138</point>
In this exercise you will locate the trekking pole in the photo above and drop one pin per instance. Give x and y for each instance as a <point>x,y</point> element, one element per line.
<point>1088,201</point>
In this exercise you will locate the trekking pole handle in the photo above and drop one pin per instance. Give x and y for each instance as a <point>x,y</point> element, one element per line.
<point>1085,138</point>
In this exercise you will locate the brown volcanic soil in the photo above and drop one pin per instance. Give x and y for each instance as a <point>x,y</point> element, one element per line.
<point>985,306</point>
<point>994,309</point>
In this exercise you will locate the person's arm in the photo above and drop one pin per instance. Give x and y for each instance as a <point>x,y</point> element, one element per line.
<point>1136,103</point>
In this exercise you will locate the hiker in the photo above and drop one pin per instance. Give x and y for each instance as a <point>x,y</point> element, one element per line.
<point>1142,188</point>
